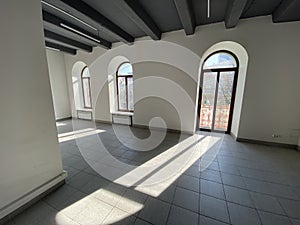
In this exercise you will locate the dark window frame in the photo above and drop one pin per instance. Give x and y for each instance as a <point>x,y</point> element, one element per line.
<point>126,76</point>
<point>83,90</point>
<point>219,70</point>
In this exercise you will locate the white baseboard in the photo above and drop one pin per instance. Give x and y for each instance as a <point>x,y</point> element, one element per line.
<point>18,203</point>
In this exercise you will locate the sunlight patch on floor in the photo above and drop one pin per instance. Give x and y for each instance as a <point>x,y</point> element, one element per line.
<point>154,176</point>
<point>78,134</point>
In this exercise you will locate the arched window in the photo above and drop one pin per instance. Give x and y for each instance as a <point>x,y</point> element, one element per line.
<point>217,92</point>
<point>220,60</point>
<point>86,87</point>
<point>125,87</point>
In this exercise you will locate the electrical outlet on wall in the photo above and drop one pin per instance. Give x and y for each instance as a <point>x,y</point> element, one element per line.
<point>276,135</point>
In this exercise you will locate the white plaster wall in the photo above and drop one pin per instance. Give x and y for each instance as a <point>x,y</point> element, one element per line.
<point>29,150</point>
<point>271,96</point>
<point>168,92</point>
<point>58,81</point>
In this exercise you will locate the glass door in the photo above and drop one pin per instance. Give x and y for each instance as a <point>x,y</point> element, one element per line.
<point>224,97</point>
<point>217,97</point>
<point>208,100</point>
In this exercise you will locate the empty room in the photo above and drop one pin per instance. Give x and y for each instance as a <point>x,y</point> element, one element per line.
<point>139,112</point>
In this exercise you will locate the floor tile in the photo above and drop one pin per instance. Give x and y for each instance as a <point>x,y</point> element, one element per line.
<point>193,171</point>
<point>9,223</point>
<point>213,166</point>
<point>292,208</point>
<point>35,214</point>
<point>96,183</point>
<point>233,180</point>
<point>80,179</point>
<point>58,219</point>
<point>132,201</point>
<point>295,221</point>
<point>186,199</point>
<point>168,194</point>
<point>266,203</point>
<point>211,175</point>
<point>119,217</point>
<point>110,194</point>
<point>209,221</point>
<point>93,212</point>
<point>155,211</point>
<point>59,198</point>
<point>273,219</point>
<point>214,208</point>
<point>283,191</point>
<point>180,216</point>
<point>243,215</point>
<point>71,171</point>
<point>230,169</point>
<point>188,182</point>
<point>238,196</point>
<point>141,222</point>
<point>258,186</point>
<point>212,188</point>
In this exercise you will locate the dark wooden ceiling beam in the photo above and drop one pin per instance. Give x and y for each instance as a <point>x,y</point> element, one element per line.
<point>186,15</point>
<point>283,12</point>
<point>234,11</point>
<point>50,18</point>
<point>140,17</point>
<point>60,48</point>
<point>93,14</point>
<point>68,41</point>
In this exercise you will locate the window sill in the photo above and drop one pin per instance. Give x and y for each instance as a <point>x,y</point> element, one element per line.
<point>123,113</point>
<point>84,109</point>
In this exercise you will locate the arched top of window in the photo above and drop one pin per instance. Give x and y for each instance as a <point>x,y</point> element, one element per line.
<point>220,60</point>
<point>125,69</point>
<point>85,72</point>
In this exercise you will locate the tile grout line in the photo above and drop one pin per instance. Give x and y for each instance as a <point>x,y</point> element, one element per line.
<point>172,203</point>
<point>229,216</point>
<point>284,211</point>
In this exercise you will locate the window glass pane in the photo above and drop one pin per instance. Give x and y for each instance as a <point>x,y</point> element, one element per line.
<point>220,60</point>
<point>86,92</point>
<point>208,99</point>
<point>130,93</point>
<point>122,93</point>
<point>125,69</point>
<point>224,100</point>
<point>85,72</point>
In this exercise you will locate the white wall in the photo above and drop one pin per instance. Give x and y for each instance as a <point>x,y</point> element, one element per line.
<point>162,90</point>
<point>271,96</point>
<point>29,148</point>
<point>58,81</point>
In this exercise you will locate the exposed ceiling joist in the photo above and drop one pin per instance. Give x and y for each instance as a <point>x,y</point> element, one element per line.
<point>60,38</point>
<point>140,17</point>
<point>186,15</point>
<point>234,11</point>
<point>288,10</point>
<point>50,18</point>
<point>58,47</point>
<point>93,14</point>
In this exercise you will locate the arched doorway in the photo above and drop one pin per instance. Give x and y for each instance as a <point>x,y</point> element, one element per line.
<point>217,91</point>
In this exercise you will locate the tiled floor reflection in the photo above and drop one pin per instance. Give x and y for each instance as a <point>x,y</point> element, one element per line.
<point>205,179</point>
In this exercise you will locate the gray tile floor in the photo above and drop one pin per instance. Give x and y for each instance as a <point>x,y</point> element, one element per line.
<point>231,183</point>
